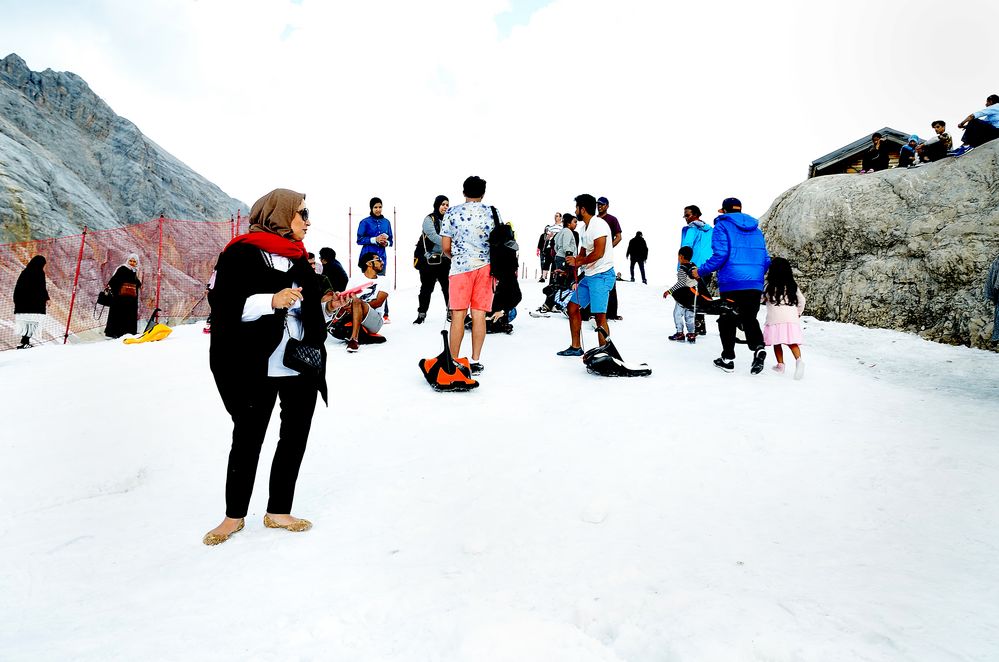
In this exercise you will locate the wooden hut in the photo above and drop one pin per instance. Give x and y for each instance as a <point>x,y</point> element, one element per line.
<point>849,158</point>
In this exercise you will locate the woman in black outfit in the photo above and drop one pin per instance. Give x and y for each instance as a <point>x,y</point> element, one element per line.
<point>30,297</point>
<point>434,273</point>
<point>265,292</point>
<point>123,315</point>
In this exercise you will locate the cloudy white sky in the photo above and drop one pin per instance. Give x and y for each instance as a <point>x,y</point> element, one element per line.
<point>655,105</point>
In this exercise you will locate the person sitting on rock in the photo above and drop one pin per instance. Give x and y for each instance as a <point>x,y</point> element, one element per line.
<point>980,127</point>
<point>365,306</point>
<point>907,155</point>
<point>876,157</point>
<point>934,150</point>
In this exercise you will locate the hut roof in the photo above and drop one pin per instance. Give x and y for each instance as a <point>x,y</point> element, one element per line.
<point>858,146</point>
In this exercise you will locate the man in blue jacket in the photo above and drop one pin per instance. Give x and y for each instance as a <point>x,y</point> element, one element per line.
<point>739,256</point>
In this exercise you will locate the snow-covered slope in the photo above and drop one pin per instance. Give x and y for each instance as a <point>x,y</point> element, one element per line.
<point>550,515</point>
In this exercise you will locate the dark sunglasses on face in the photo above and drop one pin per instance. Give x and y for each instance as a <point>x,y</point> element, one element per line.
<point>304,213</point>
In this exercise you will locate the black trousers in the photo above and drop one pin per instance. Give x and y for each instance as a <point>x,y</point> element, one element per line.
<point>612,302</point>
<point>641,266</point>
<point>979,132</point>
<point>748,304</point>
<point>250,406</point>
<point>429,275</point>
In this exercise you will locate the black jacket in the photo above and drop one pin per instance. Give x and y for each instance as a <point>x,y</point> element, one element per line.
<point>240,350</point>
<point>335,277</point>
<point>638,250</point>
<point>30,294</point>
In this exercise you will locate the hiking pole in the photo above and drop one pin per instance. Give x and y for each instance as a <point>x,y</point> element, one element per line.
<point>184,318</point>
<point>697,294</point>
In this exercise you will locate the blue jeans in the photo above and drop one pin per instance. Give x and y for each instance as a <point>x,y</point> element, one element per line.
<point>681,315</point>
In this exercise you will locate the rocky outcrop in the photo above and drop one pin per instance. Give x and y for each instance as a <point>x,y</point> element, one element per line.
<point>900,249</point>
<point>67,160</point>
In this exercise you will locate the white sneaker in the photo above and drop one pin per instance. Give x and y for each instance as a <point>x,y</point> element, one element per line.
<point>799,369</point>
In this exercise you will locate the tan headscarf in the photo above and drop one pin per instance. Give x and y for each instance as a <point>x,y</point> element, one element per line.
<point>275,211</point>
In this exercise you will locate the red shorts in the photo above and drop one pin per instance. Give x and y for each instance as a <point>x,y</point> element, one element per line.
<point>472,289</point>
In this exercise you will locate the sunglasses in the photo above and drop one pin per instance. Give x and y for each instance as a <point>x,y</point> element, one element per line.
<point>304,213</point>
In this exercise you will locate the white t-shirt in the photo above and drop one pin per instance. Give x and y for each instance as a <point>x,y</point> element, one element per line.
<point>368,294</point>
<point>597,228</point>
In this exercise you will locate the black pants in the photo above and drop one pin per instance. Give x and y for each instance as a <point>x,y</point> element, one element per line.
<point>979,132</point>
<point>612,303</point>
<point>641,267</point>
<point>436,273</point>
<point>704,287</point>
<point>250,406</point>
<point>748,304</point>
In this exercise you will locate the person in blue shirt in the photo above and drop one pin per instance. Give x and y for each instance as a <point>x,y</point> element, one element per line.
<point>740,257</point>
<point>980,127</point>
<point>697,235</point>
<point>374,233</point>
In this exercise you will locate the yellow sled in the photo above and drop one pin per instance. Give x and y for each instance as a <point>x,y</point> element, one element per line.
<point>158,332</point>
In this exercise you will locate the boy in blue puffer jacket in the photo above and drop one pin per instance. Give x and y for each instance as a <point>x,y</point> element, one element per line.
<point>740,257</point>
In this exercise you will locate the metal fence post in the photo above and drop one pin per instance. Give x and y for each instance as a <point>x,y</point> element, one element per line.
<point>76,283</point>
<point>159,265</point>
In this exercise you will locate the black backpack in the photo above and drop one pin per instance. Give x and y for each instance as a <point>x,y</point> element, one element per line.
<point>503,258</point>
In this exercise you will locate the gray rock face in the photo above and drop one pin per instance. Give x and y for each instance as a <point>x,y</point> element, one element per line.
<point>67,160</point>
<point>899,249</point>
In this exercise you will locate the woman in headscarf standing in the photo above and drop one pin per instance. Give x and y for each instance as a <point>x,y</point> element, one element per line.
<point>30,297</point>
<point>266,293</point>
<point>123,314</point>
<point>374,233</point>
<point>438,266</point>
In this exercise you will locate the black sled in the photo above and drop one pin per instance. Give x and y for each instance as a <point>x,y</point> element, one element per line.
<point>445,373</point>
<point>606,361</point>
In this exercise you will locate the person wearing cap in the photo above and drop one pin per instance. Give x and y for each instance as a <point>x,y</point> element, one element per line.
<point>375,233</point>
<point>739,255</point>
<point>616,234</point>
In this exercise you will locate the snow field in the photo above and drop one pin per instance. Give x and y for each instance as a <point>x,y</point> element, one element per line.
<point>549,515</point>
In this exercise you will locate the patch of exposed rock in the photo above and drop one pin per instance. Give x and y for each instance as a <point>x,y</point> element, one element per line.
<point>67,160</point>
<point>901,249</point>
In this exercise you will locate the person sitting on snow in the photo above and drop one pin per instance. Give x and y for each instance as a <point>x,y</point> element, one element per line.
<point>365,306</point>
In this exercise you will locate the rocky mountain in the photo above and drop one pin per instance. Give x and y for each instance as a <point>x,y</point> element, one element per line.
<point>905,249</point>
<point>67,160</point>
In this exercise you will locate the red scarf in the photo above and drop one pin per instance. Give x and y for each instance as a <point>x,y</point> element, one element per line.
<point>272,243</point>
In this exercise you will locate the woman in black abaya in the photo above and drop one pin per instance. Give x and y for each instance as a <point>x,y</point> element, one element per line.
<point>123,315</point>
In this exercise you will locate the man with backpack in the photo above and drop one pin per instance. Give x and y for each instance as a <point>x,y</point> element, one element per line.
<point>465,237</point>
<point>546,247</point>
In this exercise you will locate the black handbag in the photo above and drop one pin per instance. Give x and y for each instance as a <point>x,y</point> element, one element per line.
<point>300,356</point>
<point>105,297</point>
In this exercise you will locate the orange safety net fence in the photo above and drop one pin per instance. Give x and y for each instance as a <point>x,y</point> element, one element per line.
<point>176,259</point>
